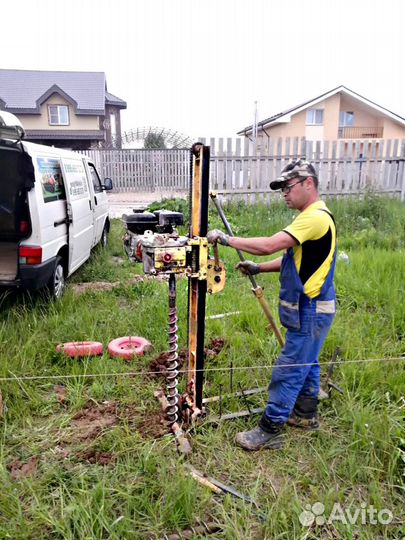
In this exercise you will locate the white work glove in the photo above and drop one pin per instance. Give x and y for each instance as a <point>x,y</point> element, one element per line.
<point>248,268</point>
<point>216,236</point>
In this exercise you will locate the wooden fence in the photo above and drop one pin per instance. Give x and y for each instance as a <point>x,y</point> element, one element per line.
<point>238,170</point>
<point>144,170</point>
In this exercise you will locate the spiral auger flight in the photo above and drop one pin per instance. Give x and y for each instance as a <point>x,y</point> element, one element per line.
<point>172,361</point>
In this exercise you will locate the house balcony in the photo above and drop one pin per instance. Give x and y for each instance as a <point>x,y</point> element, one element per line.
<point>375,132</point>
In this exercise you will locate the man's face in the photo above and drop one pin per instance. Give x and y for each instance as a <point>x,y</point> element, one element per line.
<point>294,193</point>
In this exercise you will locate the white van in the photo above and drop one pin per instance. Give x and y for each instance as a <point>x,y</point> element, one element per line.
<point>53,211</point>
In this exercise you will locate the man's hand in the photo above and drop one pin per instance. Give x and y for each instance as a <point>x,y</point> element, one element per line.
<point>248,268</point>
<point>216,236</point>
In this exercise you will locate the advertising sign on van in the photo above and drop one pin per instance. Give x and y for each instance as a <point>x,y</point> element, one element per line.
<point>75,178</point>
<point>51,179</point>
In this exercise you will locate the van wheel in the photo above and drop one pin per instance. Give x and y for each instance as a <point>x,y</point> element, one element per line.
<point>104,237</point>
<point>56,285</point>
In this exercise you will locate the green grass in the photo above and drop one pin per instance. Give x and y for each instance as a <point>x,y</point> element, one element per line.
<point>142,491</point>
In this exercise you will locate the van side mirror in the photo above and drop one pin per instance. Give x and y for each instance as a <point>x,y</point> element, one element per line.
<point>108,185</point>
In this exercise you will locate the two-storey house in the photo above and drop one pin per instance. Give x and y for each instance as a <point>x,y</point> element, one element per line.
<point>68,109</point>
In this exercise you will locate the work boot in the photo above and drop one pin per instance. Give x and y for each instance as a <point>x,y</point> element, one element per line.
<point>305,414</point>
<point>266,435</point>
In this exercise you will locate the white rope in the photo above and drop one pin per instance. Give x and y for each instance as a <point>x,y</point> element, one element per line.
<point>144,373</point>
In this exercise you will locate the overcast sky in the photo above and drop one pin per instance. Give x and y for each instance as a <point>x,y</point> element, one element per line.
<point>198,67</point>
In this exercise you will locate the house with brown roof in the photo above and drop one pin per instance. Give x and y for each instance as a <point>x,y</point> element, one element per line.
<point>337,114</point>
<point>68,109</point>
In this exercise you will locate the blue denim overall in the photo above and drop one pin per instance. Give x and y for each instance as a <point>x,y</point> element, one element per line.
<point>308,322</point>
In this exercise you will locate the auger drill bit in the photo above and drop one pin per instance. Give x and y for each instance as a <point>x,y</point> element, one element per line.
<point>172,361</point>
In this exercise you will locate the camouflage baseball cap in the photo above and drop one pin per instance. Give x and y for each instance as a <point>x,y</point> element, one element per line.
<point>299,168</point>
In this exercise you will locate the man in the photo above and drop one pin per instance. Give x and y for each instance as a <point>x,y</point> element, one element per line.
<point>306,305</point>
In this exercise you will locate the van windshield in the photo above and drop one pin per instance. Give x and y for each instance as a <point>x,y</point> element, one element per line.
<point>16,178</point>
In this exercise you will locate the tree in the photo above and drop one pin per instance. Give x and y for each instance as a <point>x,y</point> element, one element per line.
<point>154,141</point>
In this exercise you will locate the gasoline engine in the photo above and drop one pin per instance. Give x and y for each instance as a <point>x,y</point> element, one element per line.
<point>152,229</point>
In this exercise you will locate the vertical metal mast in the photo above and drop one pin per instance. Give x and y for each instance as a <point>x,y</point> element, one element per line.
<point>197,288</point>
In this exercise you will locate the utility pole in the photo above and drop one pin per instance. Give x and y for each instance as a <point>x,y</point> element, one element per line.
<point>255,130</point>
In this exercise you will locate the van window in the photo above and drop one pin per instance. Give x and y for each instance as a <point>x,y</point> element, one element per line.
<point>50,173</point>
<point>75,179</point>
<point>95,178</point>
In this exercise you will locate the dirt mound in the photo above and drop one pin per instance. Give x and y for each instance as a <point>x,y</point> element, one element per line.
<point>158,365</point>
<point>214,347</point>
<point>18,469</point>
<point>60,392</point>
<point>153,425</point>
<point>92,420</point>
<point>80,288</point>
<point>94,456</point>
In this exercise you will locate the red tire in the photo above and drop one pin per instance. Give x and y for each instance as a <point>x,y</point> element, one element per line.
<point>76,349</point>
<point>128,347</point>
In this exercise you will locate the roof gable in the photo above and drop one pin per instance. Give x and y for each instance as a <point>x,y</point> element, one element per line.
<point>285,116</point>
<point>55,90</point>
<point>23,91</point>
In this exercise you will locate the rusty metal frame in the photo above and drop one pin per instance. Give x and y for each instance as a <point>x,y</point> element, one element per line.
<point>197,287</point>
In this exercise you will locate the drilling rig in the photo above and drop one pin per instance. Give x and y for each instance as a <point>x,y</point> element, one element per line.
<point>153,239</point>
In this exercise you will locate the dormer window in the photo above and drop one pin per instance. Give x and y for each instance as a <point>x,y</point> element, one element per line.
<point>58,115</point>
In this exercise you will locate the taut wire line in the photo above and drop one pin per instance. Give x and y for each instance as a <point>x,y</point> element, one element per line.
<point>184,371</point>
